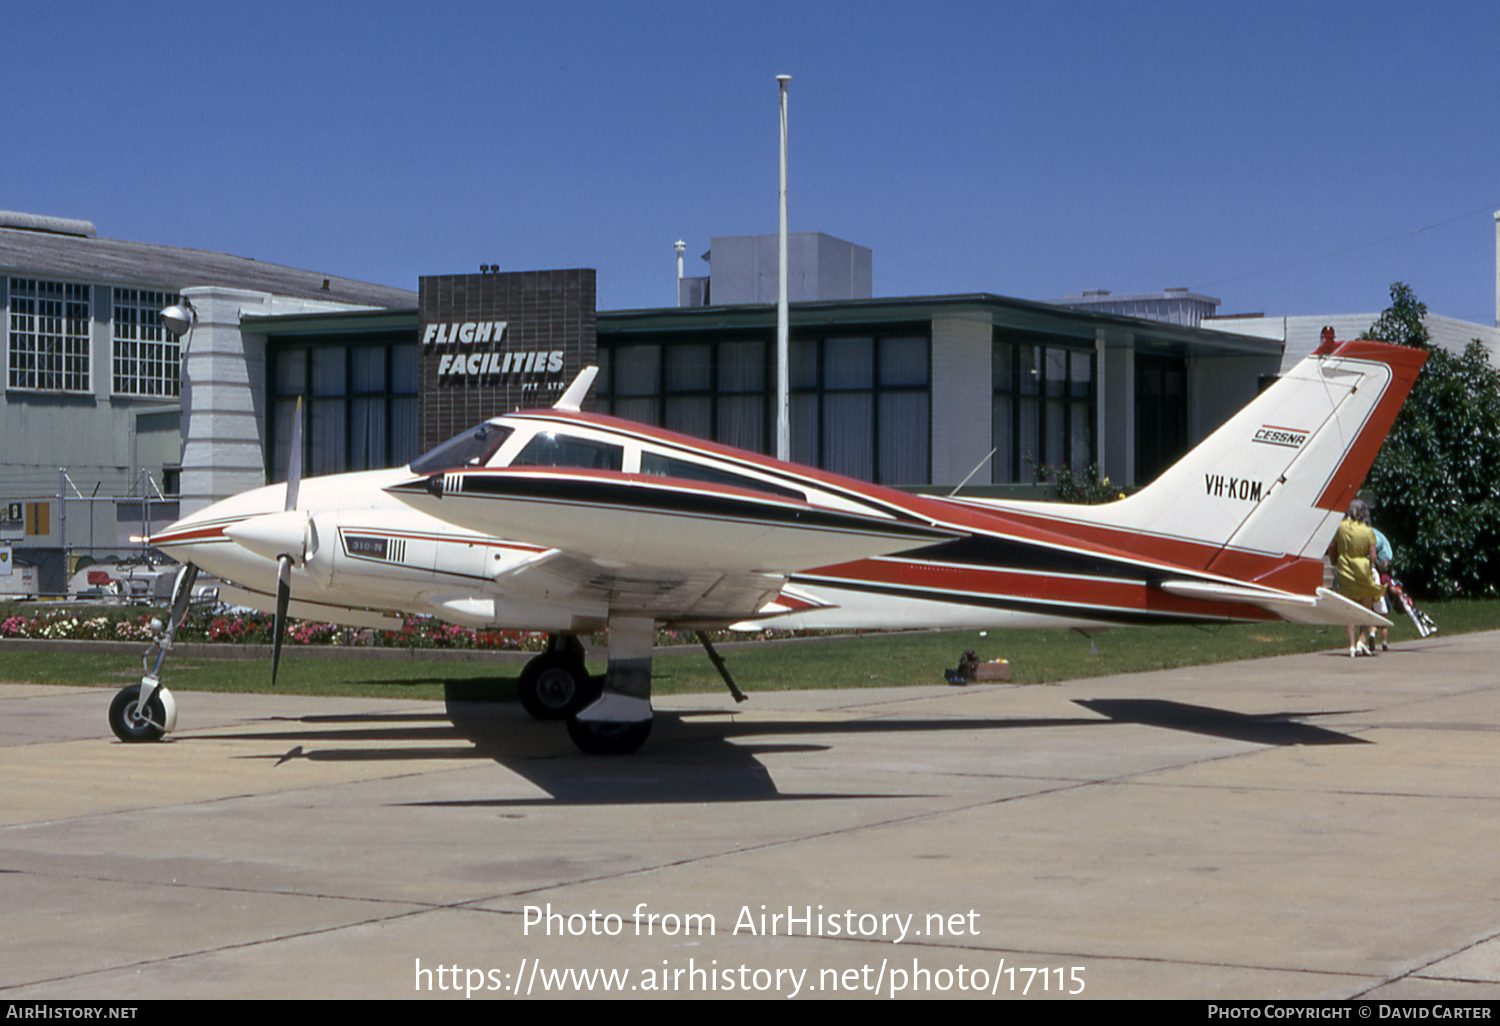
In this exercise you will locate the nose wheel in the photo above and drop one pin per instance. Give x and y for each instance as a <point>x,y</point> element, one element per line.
<point>131,723</point>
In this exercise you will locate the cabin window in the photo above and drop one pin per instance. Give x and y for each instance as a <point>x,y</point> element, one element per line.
<point>550,450</point>
<point>658,465</point>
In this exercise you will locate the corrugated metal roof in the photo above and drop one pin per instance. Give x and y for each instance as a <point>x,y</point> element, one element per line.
<point>114,261</point>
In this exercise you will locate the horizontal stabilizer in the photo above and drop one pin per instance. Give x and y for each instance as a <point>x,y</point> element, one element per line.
<point>1327,607</point>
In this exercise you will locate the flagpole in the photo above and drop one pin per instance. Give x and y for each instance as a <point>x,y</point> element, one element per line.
<point>783,330</point>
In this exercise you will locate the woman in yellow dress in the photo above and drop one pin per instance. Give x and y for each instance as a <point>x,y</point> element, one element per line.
<point>1353,553</point>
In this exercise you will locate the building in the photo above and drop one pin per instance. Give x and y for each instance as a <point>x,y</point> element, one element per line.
<point>1175,306</point>
<point>928,391</point>
<point>94,418</point>
<point>1300,334</point>
<point>917,391</point>
<point>818,267</point>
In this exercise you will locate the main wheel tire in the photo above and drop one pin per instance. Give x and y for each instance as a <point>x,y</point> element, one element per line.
<point>130,727</point>
<point>594,738</point>
<point>554,686</point>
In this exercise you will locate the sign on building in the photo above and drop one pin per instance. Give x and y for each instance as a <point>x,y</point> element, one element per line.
<point>492,343</point>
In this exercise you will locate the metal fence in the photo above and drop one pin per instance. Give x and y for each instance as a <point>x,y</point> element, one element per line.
<point>85,536</point>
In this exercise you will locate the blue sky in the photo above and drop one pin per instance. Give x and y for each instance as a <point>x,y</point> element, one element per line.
<point>1287,157</point>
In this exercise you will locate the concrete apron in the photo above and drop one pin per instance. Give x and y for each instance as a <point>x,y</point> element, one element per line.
<point>1301,827</point>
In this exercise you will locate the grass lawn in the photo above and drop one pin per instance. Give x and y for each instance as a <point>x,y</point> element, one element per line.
<point>871,660</point>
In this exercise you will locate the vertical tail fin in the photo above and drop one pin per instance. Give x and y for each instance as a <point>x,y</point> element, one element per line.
<point>1275,479</point>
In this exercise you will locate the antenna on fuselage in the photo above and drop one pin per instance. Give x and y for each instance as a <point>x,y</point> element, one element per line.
<point>973,472</point>
<point>572,399</point>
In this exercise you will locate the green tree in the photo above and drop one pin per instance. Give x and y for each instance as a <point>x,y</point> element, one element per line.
<point>1090,488</point>
<point>1436,482</point>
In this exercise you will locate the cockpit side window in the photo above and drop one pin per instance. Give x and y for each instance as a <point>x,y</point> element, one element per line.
<point>549,450</point>
<point>474,448</point>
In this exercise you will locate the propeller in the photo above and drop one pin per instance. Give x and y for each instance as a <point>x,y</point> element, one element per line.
<point>284,559</point>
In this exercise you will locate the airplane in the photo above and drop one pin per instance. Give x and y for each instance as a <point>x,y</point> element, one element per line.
<point>570,523</point>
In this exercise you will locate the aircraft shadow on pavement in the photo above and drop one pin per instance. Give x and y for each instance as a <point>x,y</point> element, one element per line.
<point>699,756</point>
<point>1276,729</point>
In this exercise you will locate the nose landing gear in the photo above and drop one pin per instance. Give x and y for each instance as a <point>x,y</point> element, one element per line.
<point>146,711</point>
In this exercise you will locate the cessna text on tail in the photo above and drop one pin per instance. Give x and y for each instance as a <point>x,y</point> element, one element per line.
<point>561,521</point>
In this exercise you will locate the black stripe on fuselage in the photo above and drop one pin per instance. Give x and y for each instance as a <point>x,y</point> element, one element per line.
<point>991,552</point>
<point>784,474</point>
<point>683,502</point>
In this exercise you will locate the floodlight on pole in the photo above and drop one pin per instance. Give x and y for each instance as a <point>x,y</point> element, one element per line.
<point>179,319</point>
<point>783,328</point>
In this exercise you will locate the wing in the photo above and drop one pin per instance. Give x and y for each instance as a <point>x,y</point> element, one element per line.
<point>681,598</point>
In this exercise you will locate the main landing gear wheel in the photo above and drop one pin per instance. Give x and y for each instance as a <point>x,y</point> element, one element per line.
<point>555,685</point>
<point>598,738</point>
<point>128,725</point>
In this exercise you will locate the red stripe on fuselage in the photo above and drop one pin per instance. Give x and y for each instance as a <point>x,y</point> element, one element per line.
<point>953,583</point>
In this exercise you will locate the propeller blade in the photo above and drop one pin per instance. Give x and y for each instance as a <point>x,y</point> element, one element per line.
<point>182,594</point>
<point>294,461</point>
<point>278,626</point>
<point>284,561</point>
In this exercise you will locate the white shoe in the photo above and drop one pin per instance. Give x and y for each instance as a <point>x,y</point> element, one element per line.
<point>1362,649</point>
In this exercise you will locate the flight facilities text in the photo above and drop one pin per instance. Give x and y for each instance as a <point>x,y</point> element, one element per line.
<point>492,363</point>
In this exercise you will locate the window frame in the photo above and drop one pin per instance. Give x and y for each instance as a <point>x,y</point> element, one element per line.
<point>342,404</point>
<point>163,372</point>
<point>37,360</point>
<point>1031,407</point>
<point>650,403</point>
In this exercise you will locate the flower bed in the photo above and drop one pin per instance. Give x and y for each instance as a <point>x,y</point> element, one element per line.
<point>244,627</point>
<point>250,628</point>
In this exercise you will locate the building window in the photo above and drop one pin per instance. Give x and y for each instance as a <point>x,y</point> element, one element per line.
<point>635,387</point>
<point>712,390</point>
<point>359,407</point>
<point>859,406</point>
<point>49,336</point>
<point>741,398</point>
<point>1042,412</point>
<point>1161,435</point>
<point>145,354</point>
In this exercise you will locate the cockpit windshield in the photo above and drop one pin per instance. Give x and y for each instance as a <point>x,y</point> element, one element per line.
<point>473,448</point>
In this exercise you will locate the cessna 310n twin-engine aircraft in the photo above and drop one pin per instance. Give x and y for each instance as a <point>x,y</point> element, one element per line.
<point>570,523</point>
